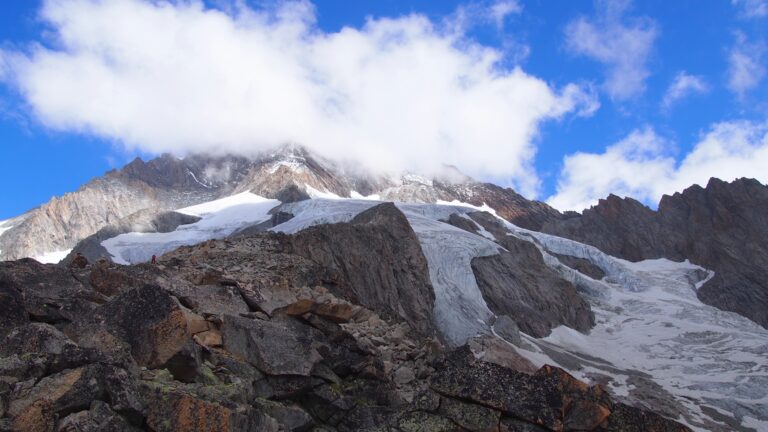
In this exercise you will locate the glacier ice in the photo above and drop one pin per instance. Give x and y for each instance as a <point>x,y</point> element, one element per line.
<point>220,218</point>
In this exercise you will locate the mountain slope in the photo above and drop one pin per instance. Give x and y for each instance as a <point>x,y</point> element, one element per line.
<point>142,190</point>
<point>722,227</point>
<point>638,329</point>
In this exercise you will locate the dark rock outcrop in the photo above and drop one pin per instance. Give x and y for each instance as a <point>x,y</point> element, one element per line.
<point>379,261</point>
<point>581,265</point>
<point>721,227</point>
<point>550,398</point>
<point>517,283</point>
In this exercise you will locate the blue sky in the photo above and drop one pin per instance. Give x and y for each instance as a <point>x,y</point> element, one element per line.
<point>645,139</point>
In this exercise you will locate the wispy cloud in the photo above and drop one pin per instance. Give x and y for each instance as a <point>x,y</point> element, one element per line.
<point>500,10</point>
<point>752,8</point>
<point>623,44</point>
<point>683,86</point>
<point>403,93</point>
<point>642,165</point>
<point>745,65</point>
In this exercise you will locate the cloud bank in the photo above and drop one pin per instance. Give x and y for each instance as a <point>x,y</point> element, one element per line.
<point>176,76</point>
<point>641,166</point>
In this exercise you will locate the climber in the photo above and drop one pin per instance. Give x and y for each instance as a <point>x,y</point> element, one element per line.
<point>154,259</point>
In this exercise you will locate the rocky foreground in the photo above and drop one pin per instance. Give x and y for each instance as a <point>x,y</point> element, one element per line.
<point>269,332</point>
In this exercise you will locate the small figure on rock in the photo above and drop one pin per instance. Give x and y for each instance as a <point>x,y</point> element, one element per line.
<point>154,259</point>
<point>79,261</point>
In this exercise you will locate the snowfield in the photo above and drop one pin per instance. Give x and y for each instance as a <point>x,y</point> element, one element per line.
<point>654,341</point>
<point>220,218</point>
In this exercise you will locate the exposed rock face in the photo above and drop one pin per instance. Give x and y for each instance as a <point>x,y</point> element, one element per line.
<point>721,227</point>
<point>508,204</point>
<point>240,335</point>
<point>516,284</point>
<point>379,260</point>
<point>165,183</point>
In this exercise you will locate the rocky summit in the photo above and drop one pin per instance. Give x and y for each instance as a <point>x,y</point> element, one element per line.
<point>287,292</point>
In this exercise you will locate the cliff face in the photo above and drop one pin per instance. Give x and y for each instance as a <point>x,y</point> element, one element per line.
<point>163,184</point>
<point>722,227</point>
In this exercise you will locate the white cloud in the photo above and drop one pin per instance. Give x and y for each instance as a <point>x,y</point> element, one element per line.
<point>500,10</point>
<point>752,8</point>
<point>641,166</point>
<point>682,86</point>
<point>745,65</point>
<point>622,44</point>
<point>402,93</point>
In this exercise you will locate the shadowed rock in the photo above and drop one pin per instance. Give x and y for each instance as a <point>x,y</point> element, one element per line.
<point>517,283</point>
<point>274,347</point>
<point>380,262</point>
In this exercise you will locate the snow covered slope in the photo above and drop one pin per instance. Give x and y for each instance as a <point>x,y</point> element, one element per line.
<point>220,218</point>
<point>654,342</point>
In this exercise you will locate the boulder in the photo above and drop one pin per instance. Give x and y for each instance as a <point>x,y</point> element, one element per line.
<point>335,312</point>
<point>49,293</point>
<point>58,395</point>
<point>12,312</point>
<point>180,412</point>
<point>150,320</point>
<point>100,417</point>
<point>288,415</point>
<point>472,417</point>
<point>274,347</point>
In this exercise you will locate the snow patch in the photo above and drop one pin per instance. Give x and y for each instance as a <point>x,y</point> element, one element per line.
<point>357,195</point>
<point>52,257</point>
<point>198,181</point>
<point>206,208</point>
<point>315,193</point>
<point>5,226</point>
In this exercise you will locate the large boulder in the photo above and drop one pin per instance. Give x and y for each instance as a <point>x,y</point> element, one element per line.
<point>37,406</point>
<point>49,293</point>
<point>275,347</point>
<point>148,319</point>
<point>175,411</point>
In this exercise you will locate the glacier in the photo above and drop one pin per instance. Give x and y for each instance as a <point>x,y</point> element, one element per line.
<point>219,219</point>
